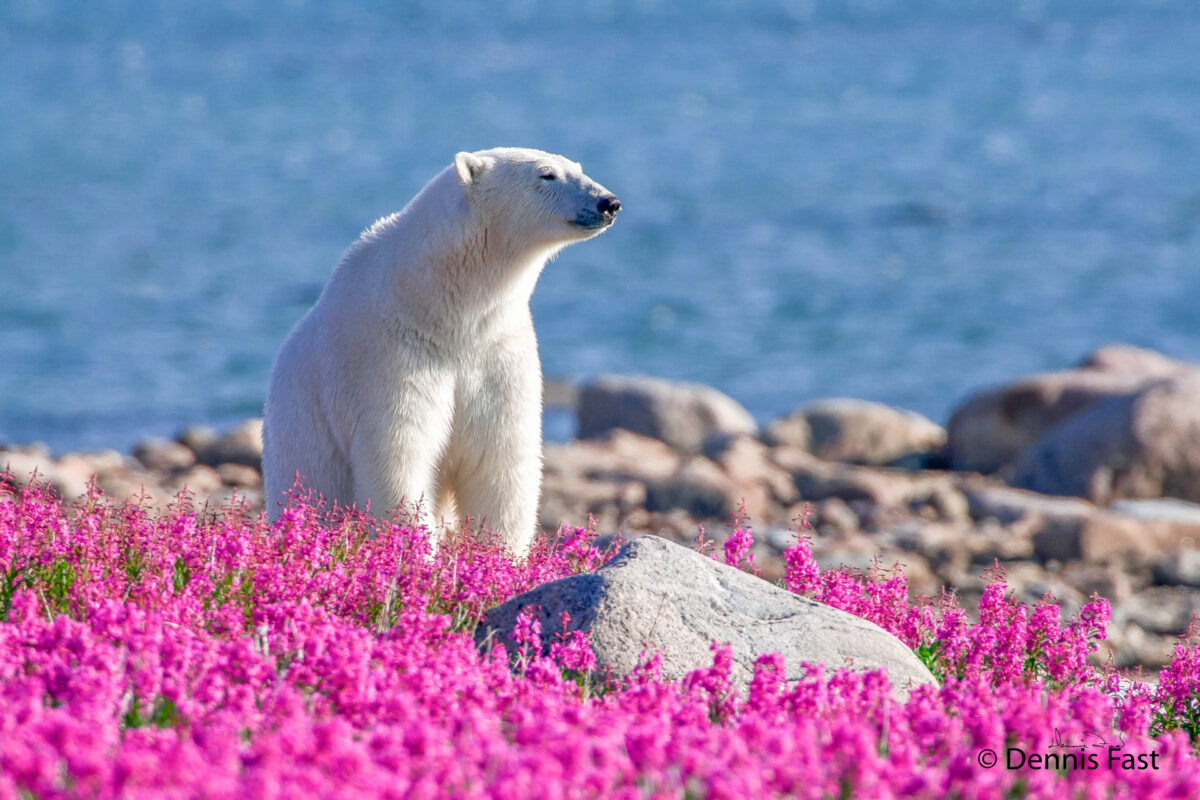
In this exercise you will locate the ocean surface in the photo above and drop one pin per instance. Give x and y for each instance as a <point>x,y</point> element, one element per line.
<point>895,200</point>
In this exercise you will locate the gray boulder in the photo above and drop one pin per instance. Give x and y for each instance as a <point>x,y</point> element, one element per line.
<point>856,431</point>
<point>659,596</point>
<point>681,414</point>
<point>1142,445</point>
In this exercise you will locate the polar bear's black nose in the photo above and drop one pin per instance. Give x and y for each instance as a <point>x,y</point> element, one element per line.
<point>609,204</point>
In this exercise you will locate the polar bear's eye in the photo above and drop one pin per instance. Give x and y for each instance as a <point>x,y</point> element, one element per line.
<point>548,176</point>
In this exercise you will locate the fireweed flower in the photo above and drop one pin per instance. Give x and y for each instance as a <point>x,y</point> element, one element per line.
<point>326,654</point>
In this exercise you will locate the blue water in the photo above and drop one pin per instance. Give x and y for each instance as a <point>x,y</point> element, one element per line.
<point>900,201</point>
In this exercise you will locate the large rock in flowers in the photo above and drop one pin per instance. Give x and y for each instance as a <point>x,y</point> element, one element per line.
<point>681,414</point>
<point>658,596</point>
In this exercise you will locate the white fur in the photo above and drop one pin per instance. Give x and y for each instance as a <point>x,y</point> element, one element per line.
<point>415,378</point>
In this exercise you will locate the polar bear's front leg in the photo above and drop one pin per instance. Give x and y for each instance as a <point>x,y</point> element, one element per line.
<point>398,444</point>
<point>498,480</point>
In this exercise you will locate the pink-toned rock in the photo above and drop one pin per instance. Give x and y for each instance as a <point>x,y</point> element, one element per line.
<point>995,427</point>
<point>163,455</point>
<point>1179,569</point>
<point>816,479</point>
<point>699,487</point>
<point>922,580</point>
<point>834,517</point>
<point>24,468</point>
<point>1133,646</point>
<point>681,414</point>
<point>1165,610</point>
<point>748,462</point>
<point>200,480</point>
<point>76,470</point>
<point>938,543</point>
<point>1123,539</point>
<point>1133,360</point>
<point>1142,445</point>
<point>619,454</point>
<point>241,444</point>
<point>991,543</point>
<point>1106,580</point>
<point>605,478</point>
<point>856,552</point>
<point>239,475</point>
<point>571,499</point>
<point>856,431</point>
<point>229,499</point>
<point>100,462</point>
<point>1031,583</point>
<point>197,438</point>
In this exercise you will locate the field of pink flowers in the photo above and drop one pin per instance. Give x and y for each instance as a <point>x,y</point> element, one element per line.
<point>179,655</point>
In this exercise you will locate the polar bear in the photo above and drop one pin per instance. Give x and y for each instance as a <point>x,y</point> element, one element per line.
<point>415,378</point>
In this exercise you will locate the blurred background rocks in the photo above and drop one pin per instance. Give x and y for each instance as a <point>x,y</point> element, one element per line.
<point>1071,483</point>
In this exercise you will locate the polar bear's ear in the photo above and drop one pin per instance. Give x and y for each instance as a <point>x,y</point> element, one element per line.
<point>469,167</point>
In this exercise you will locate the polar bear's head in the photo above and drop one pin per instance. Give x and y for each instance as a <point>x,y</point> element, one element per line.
<point>540,198</point>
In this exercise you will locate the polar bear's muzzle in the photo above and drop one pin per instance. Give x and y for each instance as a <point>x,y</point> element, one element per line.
<point>601,216</point>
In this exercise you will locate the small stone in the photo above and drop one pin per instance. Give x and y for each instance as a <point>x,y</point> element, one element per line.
<point>748,462</point>
<point>163,455</point>
<point>780,538</point>
<point>1030,583</point>
<point>700,487</point>
<point>249,501</point>
<point>683,415</point>
<point>1134,647</point>
<point>239,475</point>
<point>938,543</point>
<point>833,517</point>
<point>1008,505</point>
<point>992,543</point>
<point>1181,568</point>
<point>1106,580</point>
<point>856,431</point>
<point>102,461</point>
<point>1166,610</point>
<point>949,503</point>
<point>69,484</point>
<point>197,438</point>
<point>200,480</point>
<point>242,444</point>
<point>1133,541</point>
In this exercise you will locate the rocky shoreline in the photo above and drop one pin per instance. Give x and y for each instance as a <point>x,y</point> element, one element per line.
<point>1073,482</point>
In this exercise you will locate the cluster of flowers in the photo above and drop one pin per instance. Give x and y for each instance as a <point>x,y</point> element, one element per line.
<point>185,655</point>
